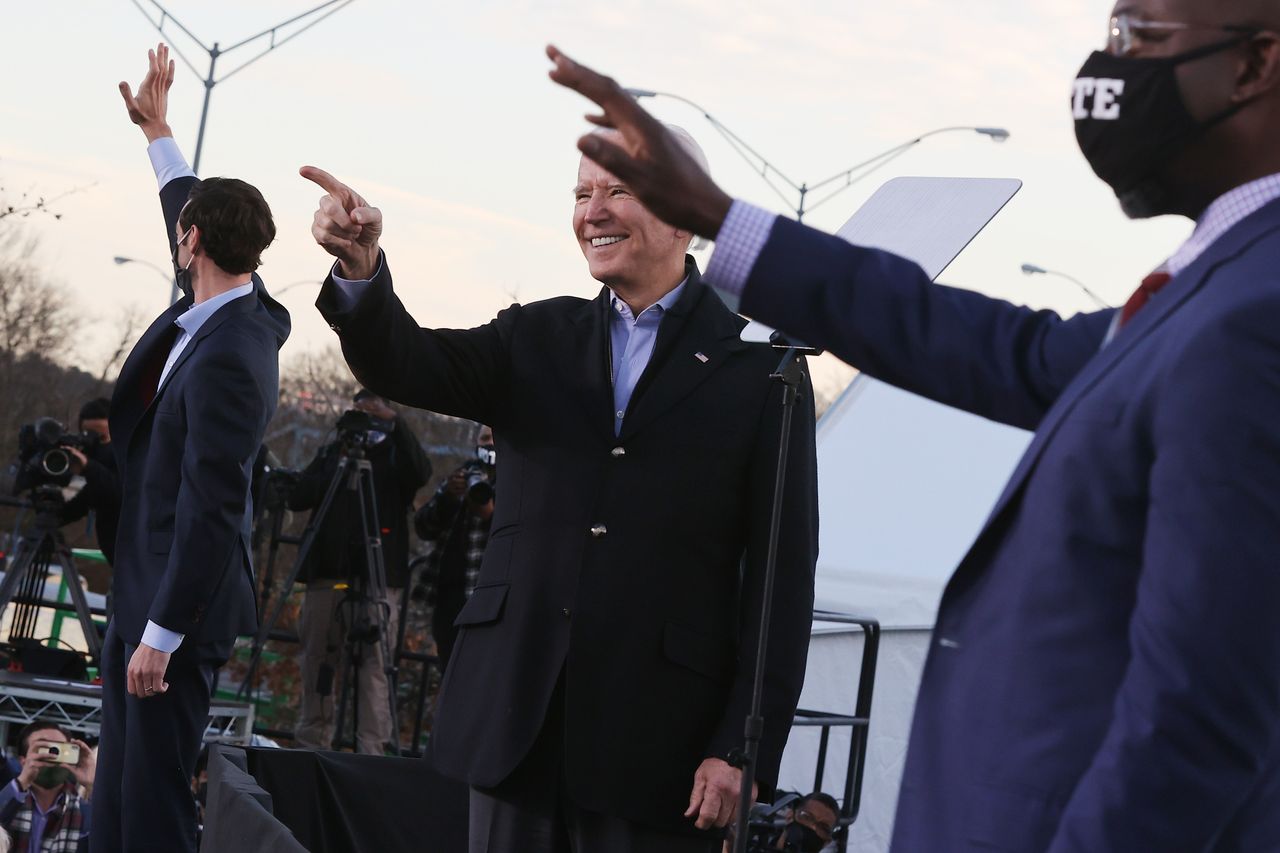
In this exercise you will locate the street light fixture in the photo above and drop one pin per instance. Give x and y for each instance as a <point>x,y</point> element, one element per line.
<point>291,285</point>
<point>1032,269</point>
<point>850,175</point>
<point>173,296</point>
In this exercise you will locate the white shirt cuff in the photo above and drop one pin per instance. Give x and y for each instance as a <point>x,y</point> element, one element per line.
<point>167,161</point>
<point>738,244</point>
<point>349,291</point>
<point>161,639</point>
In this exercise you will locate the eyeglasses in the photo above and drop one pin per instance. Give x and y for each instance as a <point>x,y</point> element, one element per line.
<point>1126,30</point>
<point>809,819</point>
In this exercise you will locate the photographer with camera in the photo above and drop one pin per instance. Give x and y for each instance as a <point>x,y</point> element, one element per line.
<point>44,809</point>
<point>457,521</point>
<point>93,458</point>
<point>331,616</point>
<point>810,825</point>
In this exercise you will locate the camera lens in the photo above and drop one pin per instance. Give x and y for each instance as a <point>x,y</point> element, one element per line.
<point>56,462</point>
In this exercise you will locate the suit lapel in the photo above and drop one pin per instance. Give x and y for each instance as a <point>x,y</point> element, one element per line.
<point>126,400</point>
<point>697,336</point>
<point>585,371</point>
<point>1170,299</point>
<point>236,306</point>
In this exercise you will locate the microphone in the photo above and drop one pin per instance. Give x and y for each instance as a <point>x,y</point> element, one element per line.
<point>758,333</point>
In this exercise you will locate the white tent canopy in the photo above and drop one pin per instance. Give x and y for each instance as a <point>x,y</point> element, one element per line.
<point>904,485</point>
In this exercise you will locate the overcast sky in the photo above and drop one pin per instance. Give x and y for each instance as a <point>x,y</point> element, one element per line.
<point>442,115</point>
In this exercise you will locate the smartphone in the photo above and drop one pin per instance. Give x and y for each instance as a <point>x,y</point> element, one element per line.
<point>62,753</point>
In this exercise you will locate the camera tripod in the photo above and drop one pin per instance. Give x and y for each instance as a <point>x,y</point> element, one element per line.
<point>39,549</point>
<point>369,594</point>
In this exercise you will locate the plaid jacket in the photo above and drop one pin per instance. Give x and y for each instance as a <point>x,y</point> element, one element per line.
<point>65,829</point>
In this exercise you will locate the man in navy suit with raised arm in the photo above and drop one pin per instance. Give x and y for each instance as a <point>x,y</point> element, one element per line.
<point>187,417</point>
<point>1105,671</point>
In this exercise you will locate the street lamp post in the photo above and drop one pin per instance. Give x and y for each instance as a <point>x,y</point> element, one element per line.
<point>215,52</point>
<point>850,176</point>
<point>1032,269</point>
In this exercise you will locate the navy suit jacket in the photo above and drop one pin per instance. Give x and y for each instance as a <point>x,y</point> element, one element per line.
<point>1105,671</point>
<point>185,461</point>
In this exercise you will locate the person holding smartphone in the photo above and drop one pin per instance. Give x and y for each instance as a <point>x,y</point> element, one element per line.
<point>50,798</point>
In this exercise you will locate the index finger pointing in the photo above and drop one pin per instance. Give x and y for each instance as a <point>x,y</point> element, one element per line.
<point>325,181</point>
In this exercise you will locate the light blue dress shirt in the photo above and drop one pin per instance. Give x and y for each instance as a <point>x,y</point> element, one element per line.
<point>632,339</point>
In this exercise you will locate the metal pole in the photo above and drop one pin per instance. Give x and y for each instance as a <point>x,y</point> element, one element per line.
<point>209,83</point>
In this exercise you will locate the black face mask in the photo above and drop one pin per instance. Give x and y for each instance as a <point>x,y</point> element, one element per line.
<point>182,275</point>
<point>800,837</point>
<point>1131,121</point>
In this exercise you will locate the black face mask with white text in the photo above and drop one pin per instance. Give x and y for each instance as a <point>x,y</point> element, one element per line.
<point>1131,120</point>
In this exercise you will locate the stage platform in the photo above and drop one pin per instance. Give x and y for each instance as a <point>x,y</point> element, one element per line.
<point>77,706</point>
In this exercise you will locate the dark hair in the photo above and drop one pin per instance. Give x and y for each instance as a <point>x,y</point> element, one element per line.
<point>95,410</point>
<point>819,797</point>
<point>38,726</point>
<point>234,221</point>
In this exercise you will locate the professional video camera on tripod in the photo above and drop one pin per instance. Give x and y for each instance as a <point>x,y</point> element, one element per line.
<point>353,556</point>
<point>42,470</point>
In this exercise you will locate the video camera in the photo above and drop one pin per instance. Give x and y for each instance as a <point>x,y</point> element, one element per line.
<point>482,476</point>
<point>42,457</point>
<point>769,829</point>
<point>354,427</point>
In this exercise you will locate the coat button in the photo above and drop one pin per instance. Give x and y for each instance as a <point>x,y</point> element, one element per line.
<point>566,613</point>
<point>599,530</point>
<point>617,452</point>
<point>335,327</point>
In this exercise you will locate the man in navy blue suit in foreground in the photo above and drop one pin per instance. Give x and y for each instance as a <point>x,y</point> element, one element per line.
<point>187,418</point>
<point>1105,672</point>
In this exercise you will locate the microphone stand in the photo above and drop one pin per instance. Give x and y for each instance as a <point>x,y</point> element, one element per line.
<point>790,374</point>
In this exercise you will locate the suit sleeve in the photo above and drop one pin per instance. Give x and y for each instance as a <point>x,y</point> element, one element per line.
<point>226,417</point>
<point>792,600</point>
<point>460,372</point>
<point>881,313</point>
<point>1196,716</point>
<point>173,196</point>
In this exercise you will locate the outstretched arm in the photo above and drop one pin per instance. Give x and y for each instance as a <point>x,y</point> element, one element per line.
<point>149,110</point>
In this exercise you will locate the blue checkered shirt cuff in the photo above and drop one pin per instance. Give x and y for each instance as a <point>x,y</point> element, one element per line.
<point>740,241</point>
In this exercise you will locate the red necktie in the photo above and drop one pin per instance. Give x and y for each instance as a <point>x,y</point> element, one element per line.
<point>1150,287</point>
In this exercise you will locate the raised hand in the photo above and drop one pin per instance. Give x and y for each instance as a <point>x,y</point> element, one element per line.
<point>345,226</point>
<point>149,109</point>
<point>643,154</point>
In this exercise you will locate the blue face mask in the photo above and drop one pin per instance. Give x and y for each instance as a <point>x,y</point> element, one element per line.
<point>182,275</point>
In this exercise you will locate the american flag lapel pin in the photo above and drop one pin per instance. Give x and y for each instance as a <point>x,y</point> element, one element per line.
<point>701,357</point>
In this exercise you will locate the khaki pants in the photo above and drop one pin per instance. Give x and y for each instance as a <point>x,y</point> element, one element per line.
<point>322,630</point>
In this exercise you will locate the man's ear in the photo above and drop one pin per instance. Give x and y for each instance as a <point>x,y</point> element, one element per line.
<point>193,240</point>
<point>1259,72</point>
